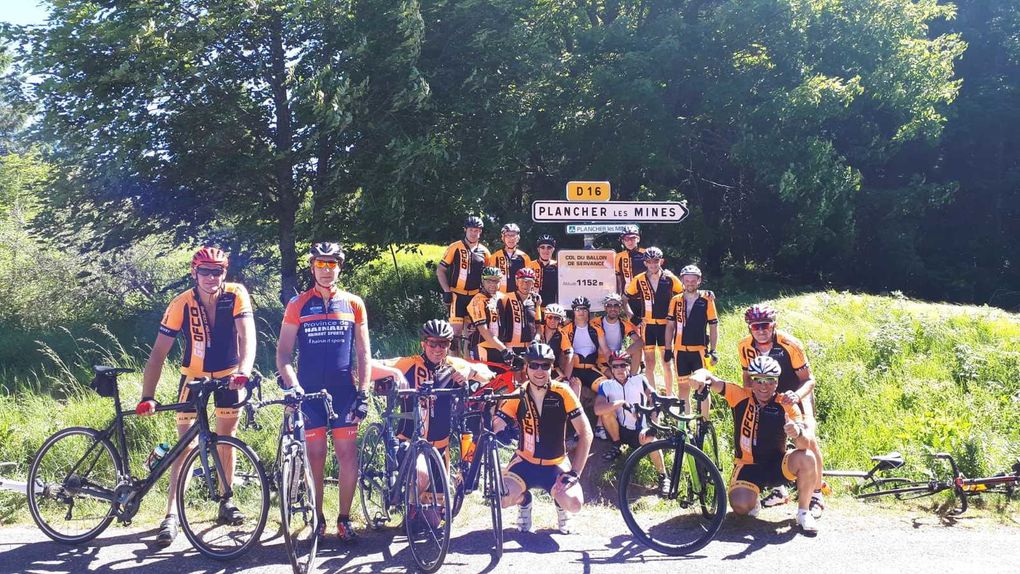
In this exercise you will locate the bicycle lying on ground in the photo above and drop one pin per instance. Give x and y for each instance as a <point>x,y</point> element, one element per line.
<point>874,484</point>
<point>83,480</point>
<point>292,476</point>
<point>671,494</point>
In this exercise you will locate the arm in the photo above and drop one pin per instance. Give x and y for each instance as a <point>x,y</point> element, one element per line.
<point>713,336</point>
<point>807,383</point>
<point>363,350</point>
<point>490,338</point>
<point>381,371</point>
<point>603,406</point>
<point>284,352</point>
<point>801,434</point>
<point>584,438</point>
<point>441,272</point>
<point>154,365</point>
<point>670,332</point>
<point>245,327</point>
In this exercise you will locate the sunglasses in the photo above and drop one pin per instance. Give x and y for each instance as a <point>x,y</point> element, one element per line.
<point>546,246</point>
<point>438,343</point>
<point>760,326</point>
<point>613,306</point>
<point>322,264</point>
<point>206,272</point>
<point>540,366</point>
<point>621,366</point>
<point>765,380</point>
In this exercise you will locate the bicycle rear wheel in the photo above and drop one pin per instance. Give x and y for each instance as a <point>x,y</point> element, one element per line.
<point>201,487</point>
<point>375,467</point>
<point>905,490</point>
<point>493,492</point>
<point>428,517</point>
<point>661,502</point>
<point>297,510</point>
<point>71,485</point>
<point>709,444</point>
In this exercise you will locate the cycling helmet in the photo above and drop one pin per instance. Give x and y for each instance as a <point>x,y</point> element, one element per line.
<point>581,302</point>
<point>474,221</point>
<point>690,270</point>
<point>209,256</point>
<point>630,230</point>
<point>437,329</point>
<point>491,272</point>
<point>537,351</point>
<point>612,298</point>
<point>619,356</point>
<point>760,313</point>
<point>764,366</point>
<point>546,240</point>
<point>554,310</point>
<point>653,253</point>
<point>326,249</point>
<point>510,228</point>
<point>526,273</point>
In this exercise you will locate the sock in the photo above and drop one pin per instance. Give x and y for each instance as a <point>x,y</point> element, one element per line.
<point>344,518</point>
<point>527,499</point>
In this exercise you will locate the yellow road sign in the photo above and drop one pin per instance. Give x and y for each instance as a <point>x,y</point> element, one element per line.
<point>588,191</point>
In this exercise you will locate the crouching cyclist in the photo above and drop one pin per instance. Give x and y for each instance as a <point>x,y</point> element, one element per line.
<point>329,327</point>
<point>543,414</point>
<point>762,424</point>
<point>614,394</point>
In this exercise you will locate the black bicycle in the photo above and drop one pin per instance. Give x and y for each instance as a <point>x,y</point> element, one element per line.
<point>83,478</point>
<point>671,494</point>
<point>407,478</point>
<point>292,476</point>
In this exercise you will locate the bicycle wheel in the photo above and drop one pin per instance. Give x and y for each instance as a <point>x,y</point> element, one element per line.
<point>880,486</point>
<point>376,468</point>
<point>906,490</point>
<point>709,444</point>
<point>201,487</point>
<point>493,493</point>
<point>666,515</point>
<point>427,521</point>
<point>298,518</point>
<point>72,482</point>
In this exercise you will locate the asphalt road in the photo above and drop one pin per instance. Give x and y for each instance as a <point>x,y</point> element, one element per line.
<point>855,537</point>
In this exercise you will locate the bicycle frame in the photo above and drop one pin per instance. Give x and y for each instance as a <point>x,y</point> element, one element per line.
<point>676,435</point>
<point>485,438</point>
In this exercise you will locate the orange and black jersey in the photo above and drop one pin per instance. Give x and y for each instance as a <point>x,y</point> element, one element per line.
<point>591,360</point>
<point>758,428</point>
<point>543,436</point>
<point>464,266</point>
<point>652,306</point>
<point>547,280</point>
<point>559,344</point>
<point>786,350</point>
<point>483,311</point>
<point>518,319</point>
<point>621,330</point>
<point>418,369</point>
<point>630,263</point>
<point>210,343</point>
<point>694,321</point>
<point>510,264</point>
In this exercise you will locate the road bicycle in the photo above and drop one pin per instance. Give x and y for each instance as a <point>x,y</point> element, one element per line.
<point>873,483</point>
<point>671,494</point>
<point>83,478</point>
<point>407,479</point>
<point>292,476</point>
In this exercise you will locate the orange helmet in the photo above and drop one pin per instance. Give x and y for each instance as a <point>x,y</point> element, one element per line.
<point>209,256</point>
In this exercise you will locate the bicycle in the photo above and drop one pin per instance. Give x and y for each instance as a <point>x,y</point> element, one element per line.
<point>83,480</point>
<point>292,476</point>
<point>901,488</point>
<point>389,475</point>
<point>672,496</point>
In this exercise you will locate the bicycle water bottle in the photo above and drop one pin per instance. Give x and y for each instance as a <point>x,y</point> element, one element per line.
<point>156,456</point>
<point>467,447</point>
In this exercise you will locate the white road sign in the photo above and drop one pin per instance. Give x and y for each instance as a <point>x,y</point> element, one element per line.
<point>596,228</point>
<point>552,211</point>
<point>586,272</point>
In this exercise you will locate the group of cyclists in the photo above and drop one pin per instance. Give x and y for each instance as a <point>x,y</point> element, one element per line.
<point>503,313</point>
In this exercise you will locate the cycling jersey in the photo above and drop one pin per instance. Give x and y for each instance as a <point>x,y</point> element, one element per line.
<point>693,321</point>
<point>586,361</point>
<point>483,313</point>
<point>463,265</point>
<point>547,280</point>
<point>560,345</point>
<point>786,350</point>
<point>518,320</point>
<point>510,264</point>
<point>616,332</point>
<point>630,263</point>
<point>758,429</point>
<point>543,436</point>
<point>325,337</point>
<point>210,343</point>
<point>650,306</point>
<point>417,369</point>
<point>631,391</point>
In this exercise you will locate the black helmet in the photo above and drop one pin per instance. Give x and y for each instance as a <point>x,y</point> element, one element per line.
<point>326,249</point>
<point>580,302</point>
<point>437,329</point>
<point>546,240</point>
<point>537,351</point>
<point>474,221</point>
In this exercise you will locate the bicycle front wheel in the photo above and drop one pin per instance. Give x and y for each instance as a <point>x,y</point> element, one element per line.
<point>661,501</point>
<point>298,518</point>
<point>427,503</point>
<point>71,485</point>
<point>709,444</point>
<point>376,466</point>
<point>207,482</point>
<point>493,493</point>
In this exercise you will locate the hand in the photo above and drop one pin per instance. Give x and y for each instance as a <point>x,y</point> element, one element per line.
<point>793,429</point>
<point>713,359</point>
<point>457,378</point>
<point>563,482</point>
<point>619,404</point>
<point>146,407</point>
<point>237,381</point>
<point>508,356</point>
<point>710,294</point>
<point>359,409</point>
<point>789,398</point>
<point>295,390</point>
<point>447,297</point>
<point>667,356</point>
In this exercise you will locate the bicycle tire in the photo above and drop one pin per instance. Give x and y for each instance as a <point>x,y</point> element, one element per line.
<point>908,490</point>
<point>493,493</point>
<point>672,524</point>
<point>708,442</point>
<point>298,518</point>
<point>198,510</point>
<point>427,519</point>
<point>879,486</point>
<point>53,470</point>
<point>375,465</point>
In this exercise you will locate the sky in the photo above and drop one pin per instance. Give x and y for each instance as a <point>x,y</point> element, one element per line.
<point>22,12</point>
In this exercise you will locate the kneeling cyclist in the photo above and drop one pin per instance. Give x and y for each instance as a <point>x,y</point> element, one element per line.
<point>614,394</point>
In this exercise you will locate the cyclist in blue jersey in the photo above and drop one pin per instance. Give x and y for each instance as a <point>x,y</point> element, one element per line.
<point>330,328</point>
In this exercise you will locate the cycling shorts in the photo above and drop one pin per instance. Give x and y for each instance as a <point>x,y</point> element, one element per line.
<point>630,437</point>
<point>223,399</point>
<point>654,336</point>
<point>589,378</point>
<point>530,475</point>
<point>688,361</point>
<point>761,475</point>
<point>343,393</point>
<point>459,308</point>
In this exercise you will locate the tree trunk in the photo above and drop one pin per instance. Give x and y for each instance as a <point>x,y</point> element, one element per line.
<point>283,168</point>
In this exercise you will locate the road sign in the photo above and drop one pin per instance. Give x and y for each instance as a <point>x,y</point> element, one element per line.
<point>586,272</point>
<point>596,228</point>
<point>588,191</point>
<point>551,211</point>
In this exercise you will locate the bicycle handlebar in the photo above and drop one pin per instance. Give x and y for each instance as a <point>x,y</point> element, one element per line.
<point>211,385</point>
<point>288,401</point>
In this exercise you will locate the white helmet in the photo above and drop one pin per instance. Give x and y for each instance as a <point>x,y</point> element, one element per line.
<point>555,310</point>
<point>690,270</point>
<point>764,366</point>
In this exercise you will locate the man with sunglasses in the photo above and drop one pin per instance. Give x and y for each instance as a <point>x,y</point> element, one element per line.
<point>460,274</point>
<point>648,295</point>
<point>484,315</point>
<point>763,422</point>
<point>329,328</point>
<point>509,259</point>
<point>631,261</point>
<point>546,270</point>
<point>690,314</point>
<point>543,415</point>
<point>551,334</point>
<point>215,318</point>
<point>618,330</point>
<point>616,392</point>
<point>796,385</point>
<point>588,343</point>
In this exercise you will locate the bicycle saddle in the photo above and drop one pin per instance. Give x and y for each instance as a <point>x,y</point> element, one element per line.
<point>889,461</point>
<point>110,371</point>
